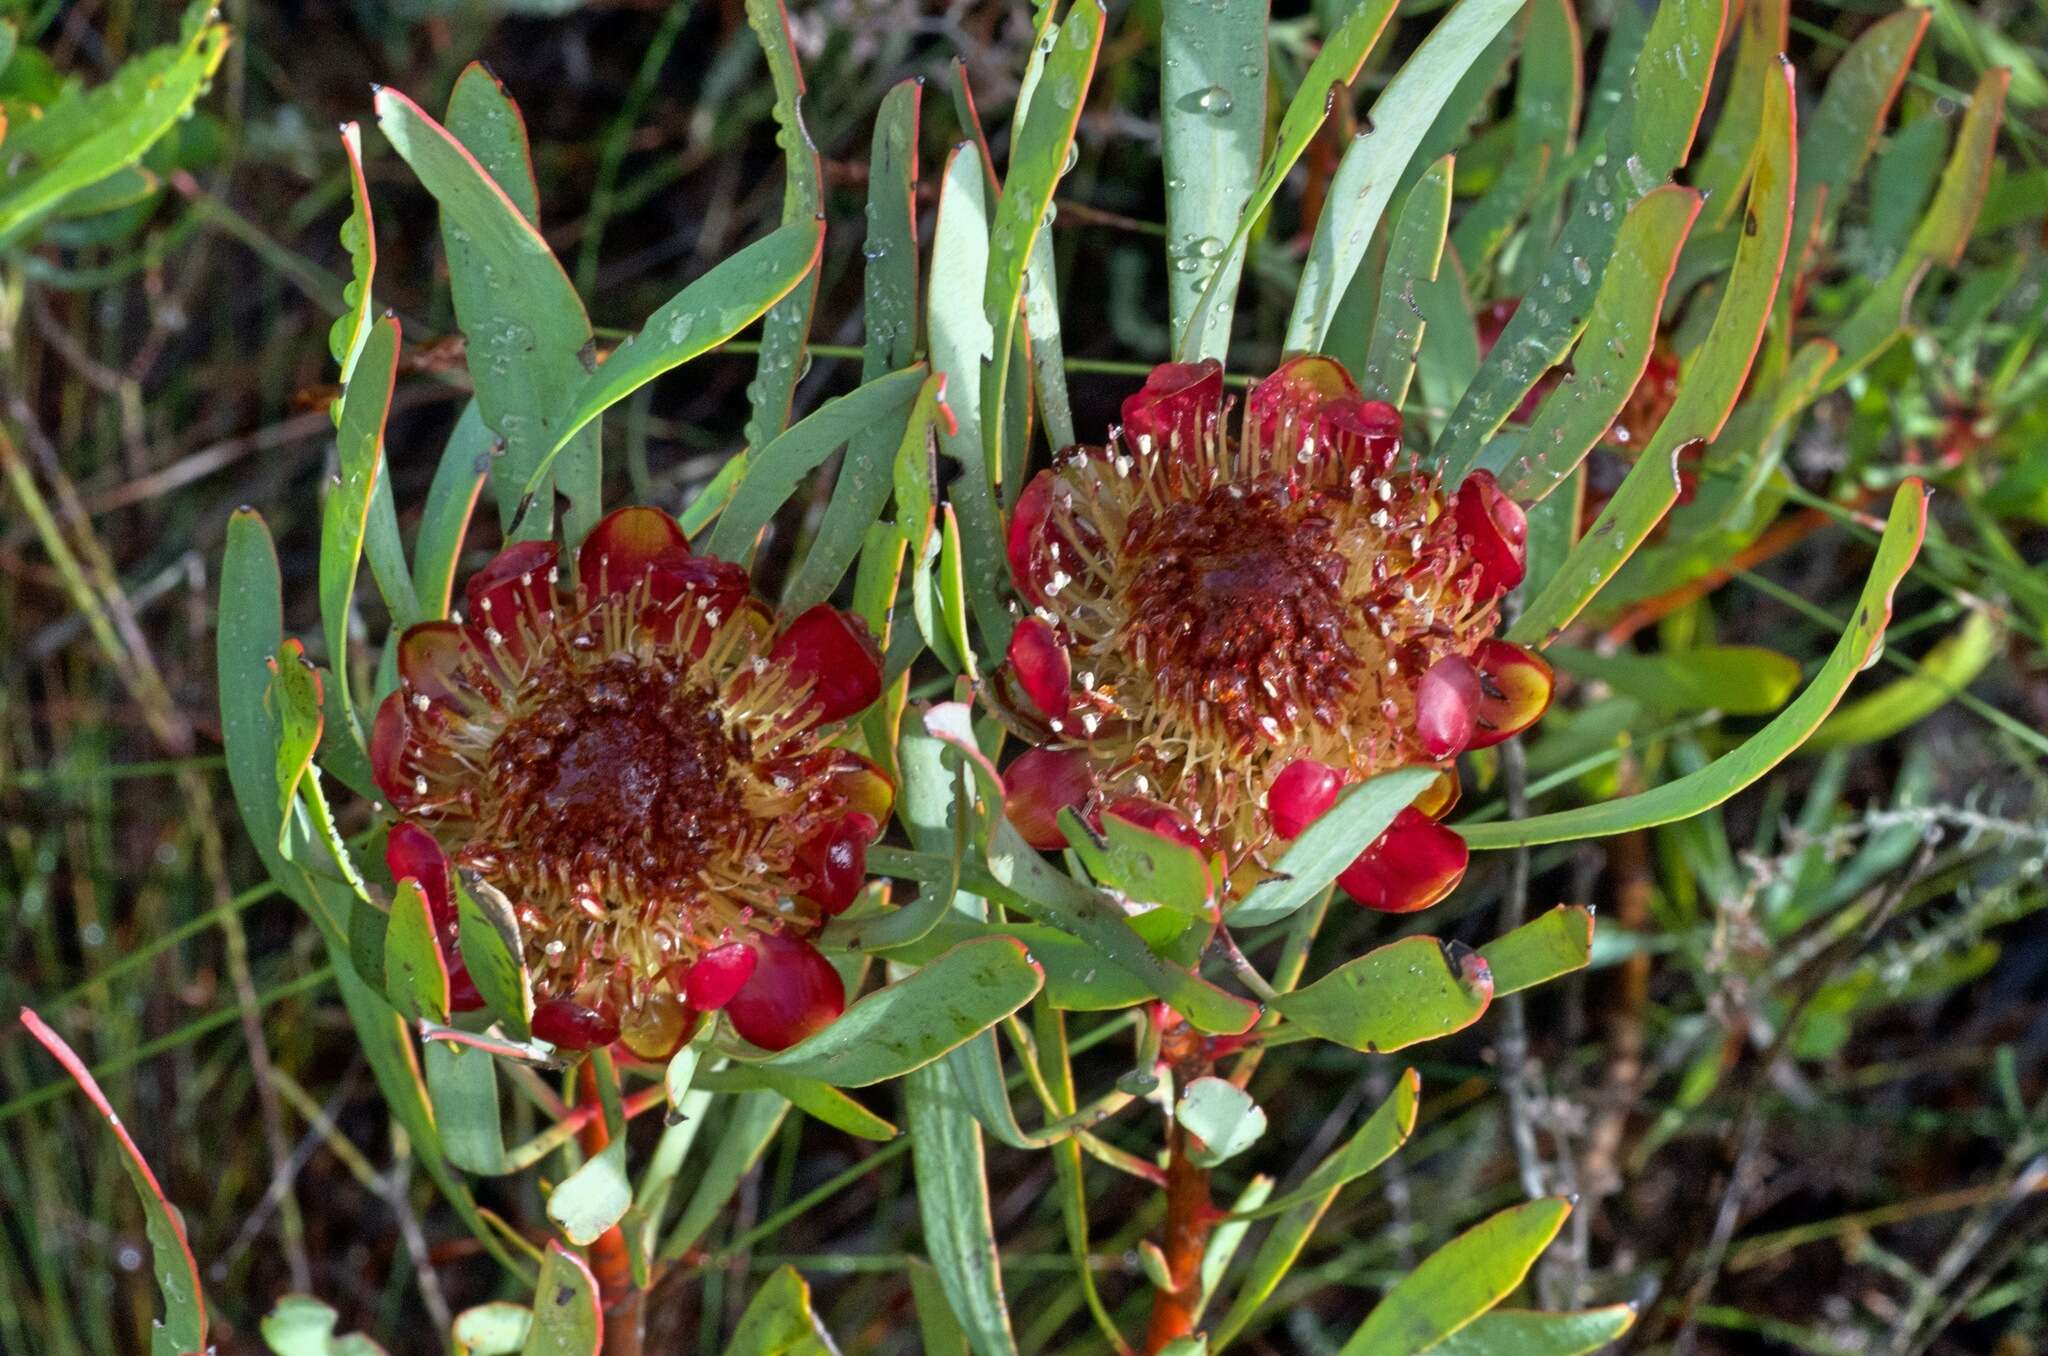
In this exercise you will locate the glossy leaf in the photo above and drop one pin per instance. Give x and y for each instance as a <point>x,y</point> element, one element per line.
<point>1846,124</point>
<point>1390,998</point>
<point>526,330</point>
<point>1525,1332</point>
<point>183,1327</point>
<point>951,1173</point>
<point>1302,1209</point>
<point>1459,1281</point>
<point>1413,256</point>
<point>1738,680</point>
<point>1708,388</point>
<point>1212,114</point>
<point>1616,347</point>
<point>819,1100</point>
<point>593,1198</point>
<point>1222,1116</point>
<point>788,323</point>
<point>1537,952</point>
<point>463,1083</point>
<point>1646,137</point>
<point>488,938</point>
<point>451,501</point>
<point>567,1318</point>
<point>1372,165</point>
<point>889,344</point>
<point>1038,156</point>
<point>1337,63</point>
<point>1145,866</point>
<point>1329,845</point>
<point>415,971</point>
<point>918,1018</point>
<point>779,1321</point>
<point>732,295</point>
<point>774,471</point>
<point>345,516</point>
<point>1743,765</point>
<point>499,1328</point>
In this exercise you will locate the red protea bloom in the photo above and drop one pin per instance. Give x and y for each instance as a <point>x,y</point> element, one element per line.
<point>1228,628</point>
<point>642,766</point>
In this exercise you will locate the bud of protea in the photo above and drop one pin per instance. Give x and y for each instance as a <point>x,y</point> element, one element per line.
<point>1234,625</point>
<point>642,766</point>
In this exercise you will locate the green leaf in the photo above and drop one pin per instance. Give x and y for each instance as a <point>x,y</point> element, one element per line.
<point>940,1331</point>
<point>1743,765</point>
<point>953,1203</point>
<point>779,1321</point>
<point>88,136</point>
<point>1725,162</point>
<point>1949,667</point>
<point>1038,156</point>
<point>1459,1281</point>
<point>451,501</point>
<point>1372,166</point>
<point>1647,137</point>
<point>915,1020</point>
<point>1846,125</point>
<point>183,1327</point>
<point>300,1325</point>
<point>345,517</point>
<point>1738,680</point>
<point>1212,112</point>
<point>566,1318</point>
<point>1708,388</point>
<point>735,293</point>
<point>1610,360</point>
<point>594,1197</point>
<point>487,935</point>
<point>1413,257</point>
<point>1206,332</point>
<point>1222,1116</point>
<point>528,337</point>
<point>1143,865</point>
<point>495,1329</point>
<point>774,471</point>
<point>346,338</point>
<point>819,1100</point>
<point>295,707</point>
<point>752,1121</point>
<point>1525,1332</point>
<point>788,322</point>
<point>890,344</point>
<point>1374,1143</point>
<point>415,971</point>
<point>1537,952</point>
<point>463,1084</point>
<point>1329,845</point>
<point>1391,998</point>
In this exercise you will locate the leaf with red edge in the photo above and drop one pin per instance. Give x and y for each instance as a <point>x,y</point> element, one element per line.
<point>415,971</point>
<point>568,1319</point>
<point>183,1329</point>
<point>1540,950</point>
<point>295,706</point>
<point>1743,765</point>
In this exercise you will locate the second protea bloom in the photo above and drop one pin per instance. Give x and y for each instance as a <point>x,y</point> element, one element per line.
<point>643,766</point>
<point>1230,624</point>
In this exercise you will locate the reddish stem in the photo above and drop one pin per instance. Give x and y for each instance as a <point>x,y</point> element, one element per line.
<point>610,1261</point>
<point>1190,1214</point>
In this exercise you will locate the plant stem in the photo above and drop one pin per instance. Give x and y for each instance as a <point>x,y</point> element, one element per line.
<point>1190,1214</point>
<point>625,1318</point>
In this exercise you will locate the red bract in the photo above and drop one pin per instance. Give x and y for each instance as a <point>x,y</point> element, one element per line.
<point>719,974</point>
<point>793,992</point>
<point>642,766</point>
<point>1411,866</point>
<point>411,853</point>
<point>1233,619</point>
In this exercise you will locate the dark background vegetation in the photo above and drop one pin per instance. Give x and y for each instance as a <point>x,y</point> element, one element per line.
<point>1870,1187</point>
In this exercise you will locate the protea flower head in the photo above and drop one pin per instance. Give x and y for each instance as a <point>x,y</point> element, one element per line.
<point>1227,626</point>
<point>642,766</point>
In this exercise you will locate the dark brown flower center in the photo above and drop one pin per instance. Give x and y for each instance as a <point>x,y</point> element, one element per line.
<point>1237,609</point>
<point>615,776</point>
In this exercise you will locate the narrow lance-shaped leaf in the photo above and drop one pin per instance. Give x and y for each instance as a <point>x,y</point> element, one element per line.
<point>1540,950</point>
<point>1207,332</point>
<point>1393,997</point>
<point>359,237</point>
<point>1372,166</point>
<point>1212,113</point>
<point>1413,257</point>
<point>1459,1281</point>
<point>360,440</point>
<point>183,1329</point>
<point>951,1172</point>
<point>1329,845</point>
<point>1750,760</point>
<point>1525,1332</point>
<point>1709,386</point>
<point>788,324</point>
